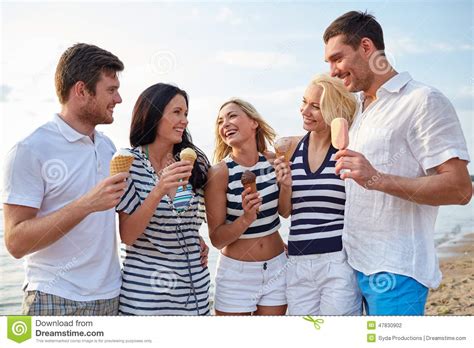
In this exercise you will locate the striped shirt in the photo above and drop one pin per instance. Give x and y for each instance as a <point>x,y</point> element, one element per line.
<point>268,220</point>
<point>317,216</point>
<point>162,271</point>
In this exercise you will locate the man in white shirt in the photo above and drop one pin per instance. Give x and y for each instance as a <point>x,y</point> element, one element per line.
<point>59,199</point>
<point>407,155</point>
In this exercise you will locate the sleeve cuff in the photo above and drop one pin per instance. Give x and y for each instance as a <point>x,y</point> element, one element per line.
<point>440,158</point>
<point>24,201</point>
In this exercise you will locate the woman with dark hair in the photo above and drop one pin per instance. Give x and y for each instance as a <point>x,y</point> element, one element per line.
<point>165,267</point>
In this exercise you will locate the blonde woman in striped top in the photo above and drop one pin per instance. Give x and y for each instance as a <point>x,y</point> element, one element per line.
<point>251,269</point>
<point>319,279</point>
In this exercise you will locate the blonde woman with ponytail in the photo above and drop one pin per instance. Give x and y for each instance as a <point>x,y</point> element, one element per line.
<point>243,224</point>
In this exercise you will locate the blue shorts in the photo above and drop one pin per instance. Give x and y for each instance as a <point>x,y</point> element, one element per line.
<point>392,294</point>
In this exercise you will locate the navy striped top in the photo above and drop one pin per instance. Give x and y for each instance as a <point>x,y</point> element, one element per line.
<point>318,199</point>
<point>268,220</point>
<point>162,271</point>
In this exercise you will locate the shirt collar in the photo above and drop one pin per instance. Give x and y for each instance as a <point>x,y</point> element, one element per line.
<point>69,133</point>
<point>396,83</point>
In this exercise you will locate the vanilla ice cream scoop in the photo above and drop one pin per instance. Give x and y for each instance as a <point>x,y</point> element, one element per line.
<point>188,154</point>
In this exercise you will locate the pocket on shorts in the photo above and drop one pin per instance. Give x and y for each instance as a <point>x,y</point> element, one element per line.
<point>225,274</point>
<point>341,267</point>
<point>337,261</point>
<point>28,301</point>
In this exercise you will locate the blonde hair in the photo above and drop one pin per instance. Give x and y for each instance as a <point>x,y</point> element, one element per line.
<point>336,101</point>
<point>265,135</point>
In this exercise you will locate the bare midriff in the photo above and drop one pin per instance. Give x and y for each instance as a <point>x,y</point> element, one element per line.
<point>255,249</point>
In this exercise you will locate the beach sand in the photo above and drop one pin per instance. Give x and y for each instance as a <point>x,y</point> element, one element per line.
<point>455,295</point>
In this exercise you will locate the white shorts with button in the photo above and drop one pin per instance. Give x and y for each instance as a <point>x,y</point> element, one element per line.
<point>242,285</point>
<point>323,284</point>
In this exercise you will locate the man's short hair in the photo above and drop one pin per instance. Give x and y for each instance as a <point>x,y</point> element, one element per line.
<point>355,25</point>
<point>83,62</point>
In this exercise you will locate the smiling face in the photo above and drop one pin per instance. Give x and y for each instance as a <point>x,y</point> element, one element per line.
<point>174,121</point>
<point>350,65</point>
<point>311,110</point>
<point>235,126</point>
<point>99,108</point>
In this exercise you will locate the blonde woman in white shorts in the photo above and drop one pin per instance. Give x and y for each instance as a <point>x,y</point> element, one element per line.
<point>251,272</point>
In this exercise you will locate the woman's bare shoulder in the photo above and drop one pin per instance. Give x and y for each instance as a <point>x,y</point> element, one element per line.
<point>218,174</point>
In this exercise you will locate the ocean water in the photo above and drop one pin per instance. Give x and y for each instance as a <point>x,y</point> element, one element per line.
<point>452,223</point>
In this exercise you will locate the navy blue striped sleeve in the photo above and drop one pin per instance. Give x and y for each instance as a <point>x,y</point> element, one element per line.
<point>130,200</point>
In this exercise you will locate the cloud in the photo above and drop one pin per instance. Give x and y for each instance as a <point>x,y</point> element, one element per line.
<point>407,45</point>
<point>286,96</point>
<point>226,15</point>
<point>256,60</point>
<point>462,97</point>
<point>467,91</point>
<point>4,92</point>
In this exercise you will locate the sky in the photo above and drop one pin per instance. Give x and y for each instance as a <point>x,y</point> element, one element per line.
<point>264,52</point>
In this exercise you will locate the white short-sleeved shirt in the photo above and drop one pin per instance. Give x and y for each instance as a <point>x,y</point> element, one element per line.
<point>49,169</point>
<point>407,131</point>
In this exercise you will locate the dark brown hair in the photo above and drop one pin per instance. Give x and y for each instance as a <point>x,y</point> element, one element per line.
<point>355,25</point>
<point>83,62</point>
<point>147,113</point>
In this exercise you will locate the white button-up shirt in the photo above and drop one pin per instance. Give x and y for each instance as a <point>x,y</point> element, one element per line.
<point>49,169</point>
<point>407,131</point>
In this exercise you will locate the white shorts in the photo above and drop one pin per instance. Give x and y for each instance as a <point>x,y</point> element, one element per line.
<point>242,285</point>
<point>322,284</point>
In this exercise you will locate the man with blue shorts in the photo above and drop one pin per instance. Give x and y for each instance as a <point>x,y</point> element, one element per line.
<point>407,155</point>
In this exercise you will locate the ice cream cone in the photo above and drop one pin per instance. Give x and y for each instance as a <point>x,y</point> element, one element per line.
<point>190,155</point>
<point>282,148</point>
<point>121,162</point>
<point>248,179</point>
<point>252,185</point>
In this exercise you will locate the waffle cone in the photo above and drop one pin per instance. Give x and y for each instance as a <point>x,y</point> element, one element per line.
<point>120,164</point>
<point>285,154</point>
<point>190,159</point>
<point>252,185</point>
<point>253,188</point>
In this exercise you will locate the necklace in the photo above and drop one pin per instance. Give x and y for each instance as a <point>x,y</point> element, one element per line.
<point>157,175</point>
<point>183,200</point>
